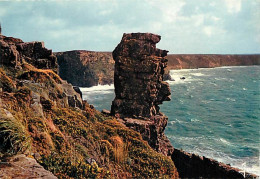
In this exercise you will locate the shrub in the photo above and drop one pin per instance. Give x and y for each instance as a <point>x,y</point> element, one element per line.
<point>13,136</point>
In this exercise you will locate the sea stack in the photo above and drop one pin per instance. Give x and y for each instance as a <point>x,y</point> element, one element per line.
<point>138,77</point>
<point>139,88</point>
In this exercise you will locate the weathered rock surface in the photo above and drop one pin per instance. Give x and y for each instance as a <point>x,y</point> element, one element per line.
<point>139,88</point>
<point>37,68</point>
<point>14,52</point>
<point>191,165</point>
<point>86,68</point>
<point>138,77</point>
<point>20,166</point>
<point>152,131</point>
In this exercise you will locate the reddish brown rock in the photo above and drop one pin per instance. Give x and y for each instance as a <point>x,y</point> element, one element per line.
<point>35,66</point>
<point>138,77</point>
<point>190,61</point>
<point>86,68</point>
<point>20,166</point>
<point>14,53</point>
<point>194,166</point>
<point>152,130</point>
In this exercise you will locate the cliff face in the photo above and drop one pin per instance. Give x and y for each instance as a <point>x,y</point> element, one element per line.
<point>210,61</point>
<point>138,77</point>
<point>86,68</point>
<point>139,89</point>
<point>43,118</point>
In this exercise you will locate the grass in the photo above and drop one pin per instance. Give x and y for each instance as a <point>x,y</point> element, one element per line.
<point>66,138</point>
<point>13,136</point>
<point>6,83</point>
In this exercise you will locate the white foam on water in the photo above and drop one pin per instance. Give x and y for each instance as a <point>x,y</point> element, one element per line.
<point>176,76</point>
<point>180,122</point>
<point>247,164</point>
<point>235,66</point>
<point>225,141</point>
<point>244,164</point>
<point>98,88</point>
<point>198,74</point>
<point>231,99</point>
<point>195,120</point>
<point>220,79</point>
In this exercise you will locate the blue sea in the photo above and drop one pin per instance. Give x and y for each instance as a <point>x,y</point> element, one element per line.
<point>214,112</point>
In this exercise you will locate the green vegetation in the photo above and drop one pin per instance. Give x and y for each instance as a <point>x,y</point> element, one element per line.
<point>13,136</point>
<point>70,142</point>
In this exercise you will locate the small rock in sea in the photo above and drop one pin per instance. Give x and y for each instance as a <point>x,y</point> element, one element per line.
<point>183,78</point>
<point>172,80</point>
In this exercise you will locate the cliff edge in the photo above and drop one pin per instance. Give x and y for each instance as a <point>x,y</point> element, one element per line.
<point>191,61</point>
<point>86,68</point>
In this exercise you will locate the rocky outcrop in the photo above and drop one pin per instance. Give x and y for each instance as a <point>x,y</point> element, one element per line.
<point>14,52</point>
<point>20,166</point>
<point>35,65</point>
<point>152,131</point>
<point>192,61</point>
<point>191,165</point>
<point>86,68</point>
<point>138,77</point>
<point>139,89</point>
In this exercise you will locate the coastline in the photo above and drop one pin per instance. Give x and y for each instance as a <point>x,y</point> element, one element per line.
<point>95,68</point>
<point>109,90</point>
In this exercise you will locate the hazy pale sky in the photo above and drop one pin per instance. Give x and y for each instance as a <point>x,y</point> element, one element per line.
<point>186,26</point>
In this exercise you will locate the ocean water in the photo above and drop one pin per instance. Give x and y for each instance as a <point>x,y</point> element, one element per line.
<point>214,112</point>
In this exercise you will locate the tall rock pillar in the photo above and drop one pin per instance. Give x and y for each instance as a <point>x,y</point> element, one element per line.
<point>139,88</point>
<point>138,78</point>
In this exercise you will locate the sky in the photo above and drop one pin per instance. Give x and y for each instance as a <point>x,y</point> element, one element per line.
<point>185,26</point>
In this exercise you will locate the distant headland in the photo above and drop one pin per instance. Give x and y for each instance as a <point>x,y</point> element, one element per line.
<point>88,68</point>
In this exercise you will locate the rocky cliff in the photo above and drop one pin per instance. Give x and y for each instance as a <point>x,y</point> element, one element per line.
<point>139,89</point>
<point>86,68</point>
<point>138,77</point>
<point>43,118</point>
<point>210,61</point>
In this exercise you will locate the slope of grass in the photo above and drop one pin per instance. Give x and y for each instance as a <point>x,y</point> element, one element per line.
<point>71,142</point>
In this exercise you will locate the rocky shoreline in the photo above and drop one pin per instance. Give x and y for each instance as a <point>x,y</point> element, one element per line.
<point>139,89</point>
<point>47,128</point>
<point>87,68</point>
<point>193,61</point>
